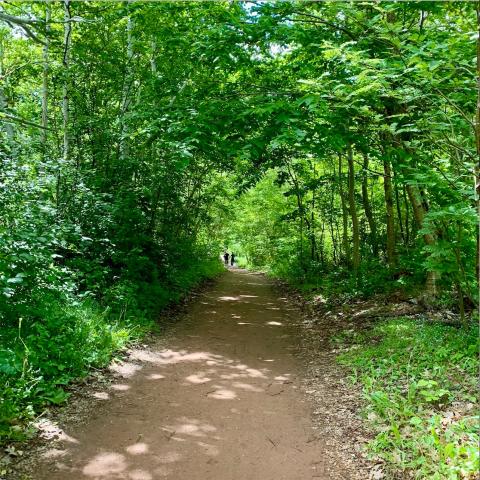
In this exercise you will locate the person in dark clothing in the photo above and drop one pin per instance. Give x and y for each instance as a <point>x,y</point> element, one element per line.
<point>225,258</point>
<point>232,259</point>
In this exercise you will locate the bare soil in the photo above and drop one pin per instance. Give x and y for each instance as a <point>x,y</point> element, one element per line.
<point>225,396</point>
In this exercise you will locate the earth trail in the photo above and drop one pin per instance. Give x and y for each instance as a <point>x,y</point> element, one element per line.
<point>220,399</point>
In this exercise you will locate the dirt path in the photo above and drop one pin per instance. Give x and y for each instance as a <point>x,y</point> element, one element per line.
<point>222,402</point>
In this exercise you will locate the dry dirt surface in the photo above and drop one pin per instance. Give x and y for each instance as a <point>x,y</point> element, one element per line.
<point>221,398</point>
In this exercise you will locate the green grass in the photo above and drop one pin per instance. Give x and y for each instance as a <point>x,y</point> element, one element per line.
<point>420,385</point>
<point>40,357</point>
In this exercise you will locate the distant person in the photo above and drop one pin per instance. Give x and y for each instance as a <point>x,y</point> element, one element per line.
<point>232,259</point>
<point>225,258</point>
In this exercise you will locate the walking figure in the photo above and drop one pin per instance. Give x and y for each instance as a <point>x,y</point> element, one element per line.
<point>232,259</point>
<point>225,257</point>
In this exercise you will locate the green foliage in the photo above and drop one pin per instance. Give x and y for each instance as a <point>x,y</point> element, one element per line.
<point>47,353</point>
<point>419,384</point>
<point>105,216</point>
<point>328,143</point>
<point>265,240</point>
<point>449,254</point>
<point>364,135</point>
<point>62,339</point>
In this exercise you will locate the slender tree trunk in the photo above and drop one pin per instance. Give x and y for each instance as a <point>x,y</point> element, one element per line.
<point>313,240</point>
<point>313,252</point>
<point>367,207</point>
<point>66,67</point>
<point>336,241</point>
<point>67,34</point>
<point>299,198</point>
<point>477,142</point>
<point>3,108</point>
<point>153,59</point>
<point>322,248</point>
<point>8,126</point>
<point>346,245</point>
<point>387,187</point>
<point>301,240</point>
<point>353,210</point>
<point>45,76</point>
<point>419,214</point>
<point>399,211</point>
<point>407,217</point>
<point>126,94</point>
<point>332,216</point>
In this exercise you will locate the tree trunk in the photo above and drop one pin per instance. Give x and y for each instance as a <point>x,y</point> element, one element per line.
<point>419,214</point>
<point>313,249</point>
<point>336,241</point>
<point>398,205</point>
<point>367,207</point>
<point>299,198</point>
<point>331,220</point>
<point>153,59</point>
<point>346,245</point>
<point>353,210</point>
<point>67,33</point>
<point>301,241</point>
<point>477,142</point>
<point>321,258</point>
<point>387,187</point>
<point>407,219</point>
<point>3,108</point>
<point>45,76</point>
<point>126,94</point>
<point>8,126</point>
<point>313,240</point>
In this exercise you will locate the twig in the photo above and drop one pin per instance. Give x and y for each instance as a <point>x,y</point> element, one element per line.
<point>456,107</point>
<point>271,441</point>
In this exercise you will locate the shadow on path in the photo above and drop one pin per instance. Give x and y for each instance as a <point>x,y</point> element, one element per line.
<point>222,402</point>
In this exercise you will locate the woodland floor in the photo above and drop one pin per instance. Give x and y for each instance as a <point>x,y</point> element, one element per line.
<point>229,394</point>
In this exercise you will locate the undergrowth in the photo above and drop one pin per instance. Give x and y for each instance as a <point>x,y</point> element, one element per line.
<point>60,337</point>
<point>338,283</point>
<point>419,383</point>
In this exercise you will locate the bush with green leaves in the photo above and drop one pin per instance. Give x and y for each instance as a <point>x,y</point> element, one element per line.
<point>58,339</point>
<point>47,350</point>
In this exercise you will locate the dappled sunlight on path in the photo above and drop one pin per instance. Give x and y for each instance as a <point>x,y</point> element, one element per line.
<point>220,402</point>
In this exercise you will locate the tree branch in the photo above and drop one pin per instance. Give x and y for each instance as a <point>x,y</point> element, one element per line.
<point>24,23</point>
<point>31,34</point>
<point>324,22</point>
<point>12,118</point>
<point>19,20</point>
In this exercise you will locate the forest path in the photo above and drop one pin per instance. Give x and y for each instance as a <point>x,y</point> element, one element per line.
<point>219,399</point>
